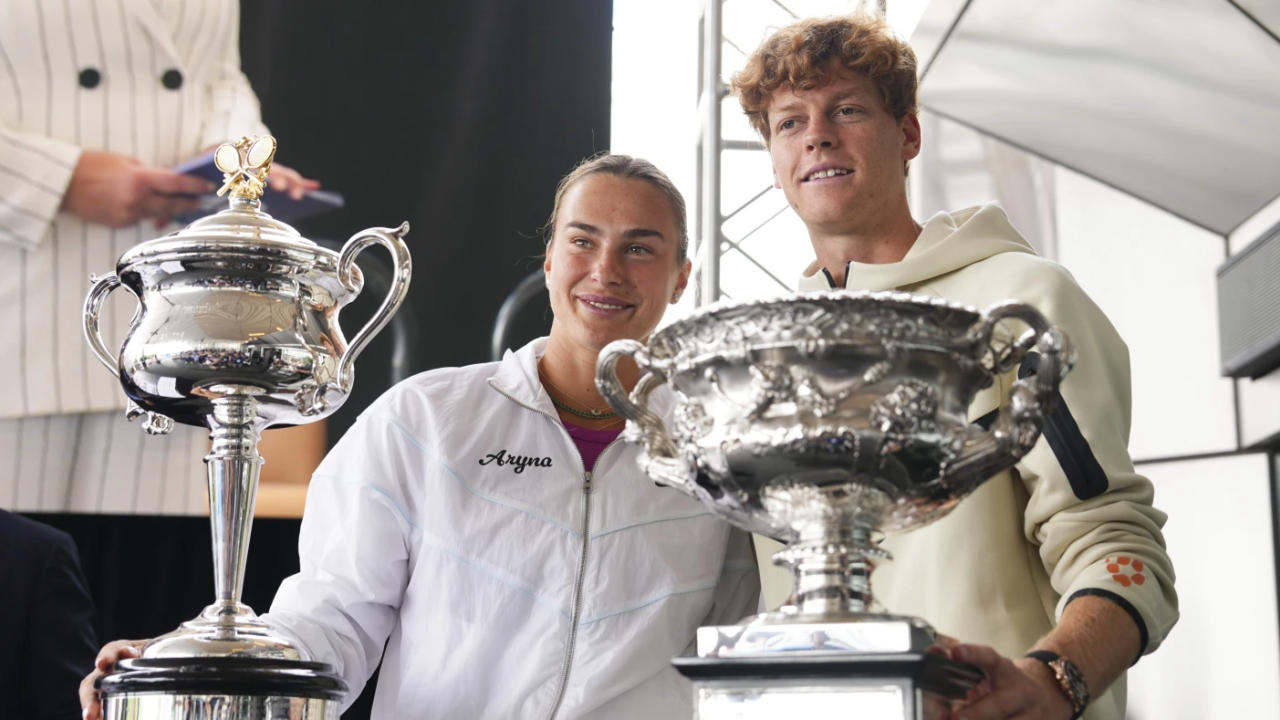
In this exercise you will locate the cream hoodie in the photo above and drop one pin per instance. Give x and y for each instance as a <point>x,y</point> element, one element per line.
<point>1072,517</point>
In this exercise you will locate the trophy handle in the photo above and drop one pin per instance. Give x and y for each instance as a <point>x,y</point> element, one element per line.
<point>659,456</point>
<point>1017,427</point>
<point>153,423</point>
<point>102,287</point>
<point>393,241</point>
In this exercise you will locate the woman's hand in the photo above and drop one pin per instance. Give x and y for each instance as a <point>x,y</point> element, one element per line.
<point>287,180</point>
<point>118,191</point>
<point>110,653</point>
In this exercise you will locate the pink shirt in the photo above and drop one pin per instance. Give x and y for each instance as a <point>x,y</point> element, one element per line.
<point>590,442</point>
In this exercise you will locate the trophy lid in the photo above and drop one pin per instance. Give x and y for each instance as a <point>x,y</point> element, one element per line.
<point>243,226</point>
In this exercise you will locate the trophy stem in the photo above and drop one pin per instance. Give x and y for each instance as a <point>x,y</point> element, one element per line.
<point>832,570</point>
<point>233,466</point>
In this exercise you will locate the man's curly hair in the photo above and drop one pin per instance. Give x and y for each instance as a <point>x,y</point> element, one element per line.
<point>796,58</point>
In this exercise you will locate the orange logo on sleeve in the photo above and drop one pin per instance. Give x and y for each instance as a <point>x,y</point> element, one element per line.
<point>1126,570</point>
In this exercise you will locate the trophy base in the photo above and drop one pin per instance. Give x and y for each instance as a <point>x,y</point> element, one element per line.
<point>223,629</point>
<point>870,666</point>
<point>225,688</point>
<point>867,686</point>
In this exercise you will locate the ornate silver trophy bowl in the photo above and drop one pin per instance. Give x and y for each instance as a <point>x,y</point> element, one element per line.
<point>236,330</point>
<point>823,420</point>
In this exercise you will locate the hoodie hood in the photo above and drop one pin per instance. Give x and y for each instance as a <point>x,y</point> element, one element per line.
<point>949,241</point>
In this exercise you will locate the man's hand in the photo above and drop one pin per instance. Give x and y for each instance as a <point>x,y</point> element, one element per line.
<point>287,180</point>
<point>107,657</point>
<point>118,191</point>
<point>1024,689</point>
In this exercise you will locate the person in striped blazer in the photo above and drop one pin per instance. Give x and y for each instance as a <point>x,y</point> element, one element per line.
<point>98,98</point>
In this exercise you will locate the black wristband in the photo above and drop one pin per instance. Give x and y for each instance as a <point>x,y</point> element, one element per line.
<point>1044,656</point>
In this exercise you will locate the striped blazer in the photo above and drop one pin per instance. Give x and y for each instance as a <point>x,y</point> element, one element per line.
<point>158,80</point>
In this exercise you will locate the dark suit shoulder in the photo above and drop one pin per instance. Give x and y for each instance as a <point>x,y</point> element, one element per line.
<point>28,548</point>
<point>46,621</point>
<point>21,532</point>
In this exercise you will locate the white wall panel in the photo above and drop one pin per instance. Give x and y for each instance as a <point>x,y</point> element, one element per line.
<point>1153,275</point>
<point>1222,660</point>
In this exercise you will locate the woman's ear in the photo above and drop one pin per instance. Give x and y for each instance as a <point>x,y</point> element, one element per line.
<point>682,282</point>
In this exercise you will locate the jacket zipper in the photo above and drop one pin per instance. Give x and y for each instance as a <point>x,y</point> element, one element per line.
<point>580,579</point>
<point>577,595</point>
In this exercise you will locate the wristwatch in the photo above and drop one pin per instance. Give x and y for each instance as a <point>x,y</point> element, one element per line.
<point>1069,677</point>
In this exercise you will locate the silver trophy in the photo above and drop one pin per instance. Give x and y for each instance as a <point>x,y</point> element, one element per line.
<point>822,421</point>
<point>237,330</point>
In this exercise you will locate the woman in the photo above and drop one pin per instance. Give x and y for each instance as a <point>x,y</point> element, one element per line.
<point>488,527</point>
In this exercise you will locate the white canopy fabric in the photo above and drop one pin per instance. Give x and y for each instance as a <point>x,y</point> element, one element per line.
<point>1176,103</point>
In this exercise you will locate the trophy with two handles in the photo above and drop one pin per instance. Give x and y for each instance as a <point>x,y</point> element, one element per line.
<point>823,420</point>
<point>236,330</point>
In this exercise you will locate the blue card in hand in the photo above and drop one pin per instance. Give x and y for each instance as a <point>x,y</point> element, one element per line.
<point>277,204</point>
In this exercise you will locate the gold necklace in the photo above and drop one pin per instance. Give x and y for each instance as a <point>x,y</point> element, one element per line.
<point>553,390</point>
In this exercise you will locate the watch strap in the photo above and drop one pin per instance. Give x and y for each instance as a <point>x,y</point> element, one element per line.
<point>1070,679</point>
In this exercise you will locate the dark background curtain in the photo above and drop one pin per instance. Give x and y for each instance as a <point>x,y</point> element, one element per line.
<point>458,117</point>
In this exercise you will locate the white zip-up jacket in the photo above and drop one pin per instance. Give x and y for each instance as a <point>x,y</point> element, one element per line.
<point>455,524</point>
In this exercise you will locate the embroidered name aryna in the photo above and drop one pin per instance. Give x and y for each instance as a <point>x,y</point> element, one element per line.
<point>517,462</point>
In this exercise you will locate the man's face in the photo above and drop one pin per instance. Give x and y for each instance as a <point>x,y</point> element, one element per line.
<point>838,154</point>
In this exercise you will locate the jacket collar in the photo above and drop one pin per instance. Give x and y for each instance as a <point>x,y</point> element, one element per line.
<point>517,378</point>
<point>816,278</point>
<point>947,242</point>
<point>144,11</point>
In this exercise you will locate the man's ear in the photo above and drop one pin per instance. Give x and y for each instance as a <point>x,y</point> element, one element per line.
<point>910,125</point>
<point>776,184</point>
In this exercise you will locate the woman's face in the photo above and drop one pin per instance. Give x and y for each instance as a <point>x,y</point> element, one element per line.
<point>611,266</point>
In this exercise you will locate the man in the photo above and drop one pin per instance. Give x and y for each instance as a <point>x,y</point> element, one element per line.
<point>1061,556</point>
